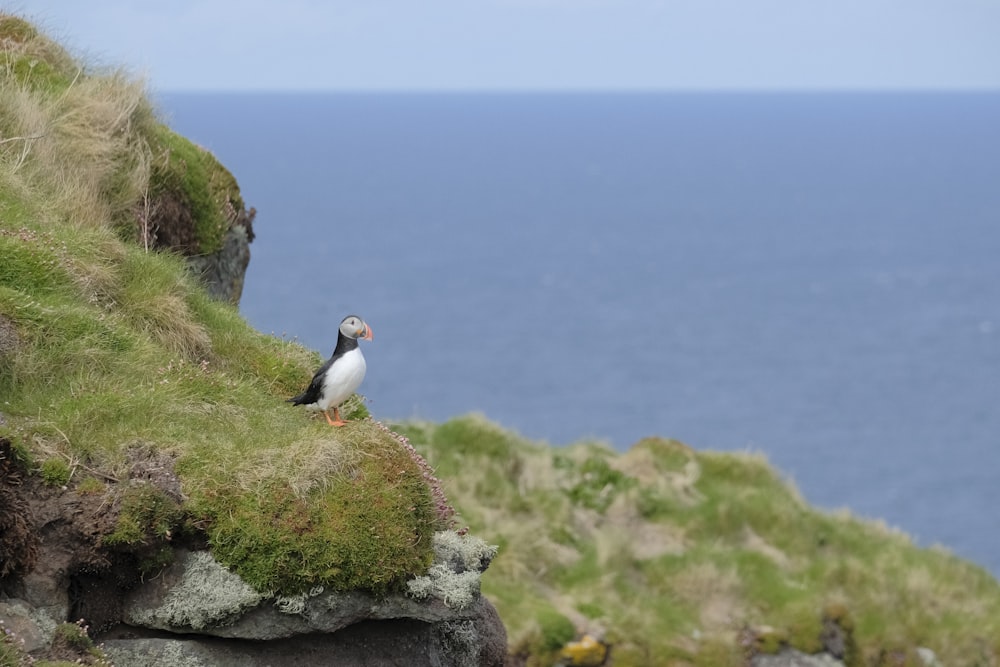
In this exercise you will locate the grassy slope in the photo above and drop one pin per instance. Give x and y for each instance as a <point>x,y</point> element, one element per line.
<point>116,351</point>
<point>673,552</point>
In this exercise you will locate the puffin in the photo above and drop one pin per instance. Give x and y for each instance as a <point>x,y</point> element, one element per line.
<point>342,373</point>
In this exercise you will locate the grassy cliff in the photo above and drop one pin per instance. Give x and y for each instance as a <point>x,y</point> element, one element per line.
<point>111,356</point>
<point>124,385</point>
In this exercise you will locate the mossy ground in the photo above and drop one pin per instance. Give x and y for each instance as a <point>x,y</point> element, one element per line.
<point>672,553</point>
<point>112,349</point>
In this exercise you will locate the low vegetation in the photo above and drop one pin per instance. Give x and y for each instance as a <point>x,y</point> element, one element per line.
<point>111,354</point>
<point>676,556</point>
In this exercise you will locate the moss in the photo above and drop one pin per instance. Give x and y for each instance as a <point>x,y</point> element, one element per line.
<point>555,629</point>
<point>769,641</point>
<point>155,560</point>
<point>370,528</point>
<point>197,199</point>
<point>146,515</point>
<point>55,472</point>
<point>91,486</point>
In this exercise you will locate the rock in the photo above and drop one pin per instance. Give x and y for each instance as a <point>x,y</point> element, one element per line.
<point>195,593</point>
<point>928,657</point>
<point>53,568</point>
<point>442,622</point>
<point>32,627</point>
<point>789,657</point>
<point>394,643</point>
<point>478,639</point>
<point>223,272</point>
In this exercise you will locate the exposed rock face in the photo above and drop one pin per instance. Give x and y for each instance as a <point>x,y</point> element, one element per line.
<point>392,643</point>
<point>197,612</point>
<point>223,272</point>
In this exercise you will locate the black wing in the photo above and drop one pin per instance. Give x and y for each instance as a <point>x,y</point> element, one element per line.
<point>311,394</point>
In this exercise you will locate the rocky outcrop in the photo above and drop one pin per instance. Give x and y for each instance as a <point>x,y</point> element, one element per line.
<point>222,272</point>
<point>196,612</point>
<point>391,643</point>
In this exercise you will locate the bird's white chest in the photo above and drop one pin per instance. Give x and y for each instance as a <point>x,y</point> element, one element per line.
<point>342,379</point>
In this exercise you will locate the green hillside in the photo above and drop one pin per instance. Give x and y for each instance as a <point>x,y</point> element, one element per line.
<point>114,362</point>
<point>681,556</point>
<point>111,354</point>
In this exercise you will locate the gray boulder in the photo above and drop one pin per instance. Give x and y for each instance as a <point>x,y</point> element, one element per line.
<point>441,621</point>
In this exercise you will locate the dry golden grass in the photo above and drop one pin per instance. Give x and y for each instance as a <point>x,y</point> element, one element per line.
<point>74,137</point>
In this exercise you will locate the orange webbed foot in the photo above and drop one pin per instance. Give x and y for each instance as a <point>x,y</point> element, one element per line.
<point>336,421</point>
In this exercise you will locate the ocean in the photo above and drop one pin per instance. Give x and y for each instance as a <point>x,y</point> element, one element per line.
<point>812,276</point>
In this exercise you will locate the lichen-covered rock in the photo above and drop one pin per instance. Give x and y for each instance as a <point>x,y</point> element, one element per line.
<point>195,593</point>
<point>789,657</point>
<point>391,643</point>
<point>32,627</point>
<point>443,621</point>
<point>453,578</point>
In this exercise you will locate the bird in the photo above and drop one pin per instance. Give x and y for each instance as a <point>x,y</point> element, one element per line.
<point>342,373</point>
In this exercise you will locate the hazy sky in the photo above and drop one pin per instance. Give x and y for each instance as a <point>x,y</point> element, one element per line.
<point>534,44</point>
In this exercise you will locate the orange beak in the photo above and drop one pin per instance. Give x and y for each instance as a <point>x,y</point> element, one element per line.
<point>368,333</point>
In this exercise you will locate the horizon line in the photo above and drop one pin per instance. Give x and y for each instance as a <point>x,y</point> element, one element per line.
<point>872,90</point>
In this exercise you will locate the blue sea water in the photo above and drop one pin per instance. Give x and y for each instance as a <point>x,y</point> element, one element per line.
<point>813,276</point>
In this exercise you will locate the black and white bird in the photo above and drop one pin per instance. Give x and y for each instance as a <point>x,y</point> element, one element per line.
<point>342,373</point>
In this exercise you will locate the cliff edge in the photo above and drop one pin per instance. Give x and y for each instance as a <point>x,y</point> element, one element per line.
<point>148,460</point>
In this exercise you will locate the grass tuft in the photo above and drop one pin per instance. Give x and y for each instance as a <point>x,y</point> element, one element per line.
<point>146,515</point>
<point>55,472</point>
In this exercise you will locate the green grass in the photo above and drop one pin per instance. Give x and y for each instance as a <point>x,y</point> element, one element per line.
<point>662,544</point>
<point>286,501</point>
<point>120,354</point>
<point>186,175</point>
